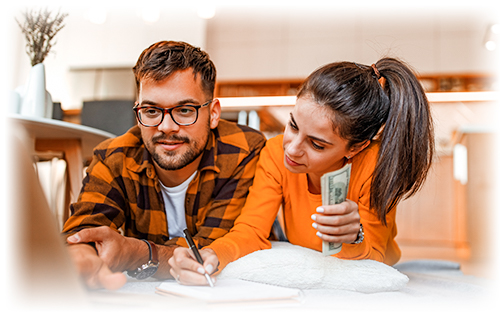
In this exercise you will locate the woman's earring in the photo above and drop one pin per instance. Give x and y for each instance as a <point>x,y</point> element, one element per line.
<point>348,157</point>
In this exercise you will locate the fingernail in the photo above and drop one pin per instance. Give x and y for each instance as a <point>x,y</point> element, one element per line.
<point>74,238</point>
<point>201,271</point>
<point>319,234</point>
<point>209,269</point>
<point>320,210</point>
<point>313,217</point>
<point>315,225</point>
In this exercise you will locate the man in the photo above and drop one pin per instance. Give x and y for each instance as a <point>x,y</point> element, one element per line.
<point>181,166</point>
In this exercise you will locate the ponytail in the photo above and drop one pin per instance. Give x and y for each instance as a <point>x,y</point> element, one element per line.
<point>407,139</point>
<point>385,99</point>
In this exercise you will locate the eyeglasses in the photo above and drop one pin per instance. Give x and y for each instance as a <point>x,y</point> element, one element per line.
<point>152,116</point>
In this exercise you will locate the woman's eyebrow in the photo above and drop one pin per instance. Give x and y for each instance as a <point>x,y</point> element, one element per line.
<point>310,136</point>
<point>319,139</point>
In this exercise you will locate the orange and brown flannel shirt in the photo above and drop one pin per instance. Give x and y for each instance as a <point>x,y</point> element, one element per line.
<point>121,189</point>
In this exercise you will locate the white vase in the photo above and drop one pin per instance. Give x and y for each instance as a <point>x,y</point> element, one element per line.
<point>15,102</point>
<point>35,100</point>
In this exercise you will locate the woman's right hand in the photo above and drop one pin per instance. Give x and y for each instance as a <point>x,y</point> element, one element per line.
<point>186,270</point>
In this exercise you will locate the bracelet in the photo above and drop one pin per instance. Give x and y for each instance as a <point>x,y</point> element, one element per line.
<point>361,235</point>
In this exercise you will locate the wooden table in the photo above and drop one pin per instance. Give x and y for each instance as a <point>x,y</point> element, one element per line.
<point>75,142</point>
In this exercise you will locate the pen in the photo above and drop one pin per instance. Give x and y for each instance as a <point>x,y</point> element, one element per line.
<point>192,246</point>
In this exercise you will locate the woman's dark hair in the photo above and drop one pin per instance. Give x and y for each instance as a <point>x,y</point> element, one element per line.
<point>387,100</point>
<point>162,59</point>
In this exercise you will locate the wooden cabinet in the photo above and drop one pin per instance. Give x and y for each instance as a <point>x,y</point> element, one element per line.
<point>432,223</point>
<point>450,219</point>
<point>250,88</point>
<point>278,87</point>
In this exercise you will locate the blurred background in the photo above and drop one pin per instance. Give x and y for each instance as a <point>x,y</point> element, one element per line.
<point>267,48</point>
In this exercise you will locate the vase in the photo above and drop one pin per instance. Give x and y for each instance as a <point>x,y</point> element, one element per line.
<point>35,100</point>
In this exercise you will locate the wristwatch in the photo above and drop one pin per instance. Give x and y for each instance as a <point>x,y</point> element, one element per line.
<point>148,269</point>
<point>361,235</point>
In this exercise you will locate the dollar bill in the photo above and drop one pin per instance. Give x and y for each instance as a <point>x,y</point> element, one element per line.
<point>334,187</point>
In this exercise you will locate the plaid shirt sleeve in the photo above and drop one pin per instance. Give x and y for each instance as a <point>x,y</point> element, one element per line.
<point>216,196</point>
<point>112,188</point>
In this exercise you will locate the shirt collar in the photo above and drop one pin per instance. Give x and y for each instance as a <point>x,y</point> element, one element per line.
<point>209,159</point>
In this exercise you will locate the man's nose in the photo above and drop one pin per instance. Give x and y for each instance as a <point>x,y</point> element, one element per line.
<point>168,125</point>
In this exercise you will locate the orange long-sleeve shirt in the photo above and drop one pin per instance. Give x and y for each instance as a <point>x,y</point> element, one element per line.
<point>274,185</point>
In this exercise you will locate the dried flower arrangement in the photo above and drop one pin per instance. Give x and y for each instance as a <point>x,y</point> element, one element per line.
<point>39,29</point>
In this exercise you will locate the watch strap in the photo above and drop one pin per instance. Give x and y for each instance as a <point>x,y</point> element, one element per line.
<point>153,251</point>
<point>361,235</point>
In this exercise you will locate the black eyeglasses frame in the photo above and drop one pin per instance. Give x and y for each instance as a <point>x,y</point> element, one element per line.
<point>136,109</point>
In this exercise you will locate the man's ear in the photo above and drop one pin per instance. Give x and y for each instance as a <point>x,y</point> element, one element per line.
<point>215,112</point>
<point>135,115</point>
<point>357,148</point>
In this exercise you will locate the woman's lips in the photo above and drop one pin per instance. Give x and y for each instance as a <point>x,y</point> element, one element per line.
<point>291,162</point>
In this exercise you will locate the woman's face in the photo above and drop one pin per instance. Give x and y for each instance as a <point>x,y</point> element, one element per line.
<point>310,144</point>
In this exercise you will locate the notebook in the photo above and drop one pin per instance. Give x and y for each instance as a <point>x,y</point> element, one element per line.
<point>230,290</point>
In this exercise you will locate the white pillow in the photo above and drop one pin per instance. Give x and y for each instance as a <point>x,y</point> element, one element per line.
<point>303,268</point>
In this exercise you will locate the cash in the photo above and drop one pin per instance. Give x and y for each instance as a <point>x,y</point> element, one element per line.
<point>334,187</point>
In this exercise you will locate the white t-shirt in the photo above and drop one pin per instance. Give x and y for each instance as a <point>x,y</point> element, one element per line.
<point>174,198</point>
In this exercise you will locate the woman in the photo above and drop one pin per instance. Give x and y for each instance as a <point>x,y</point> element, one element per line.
<point>376,118</point>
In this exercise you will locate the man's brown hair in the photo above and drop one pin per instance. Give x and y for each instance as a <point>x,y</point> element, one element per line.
<point>162,59</point>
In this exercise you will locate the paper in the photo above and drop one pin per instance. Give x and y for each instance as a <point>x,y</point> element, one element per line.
<point>229,290</point>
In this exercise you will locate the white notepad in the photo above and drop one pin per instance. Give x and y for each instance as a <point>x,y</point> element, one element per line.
<point>230,290</point>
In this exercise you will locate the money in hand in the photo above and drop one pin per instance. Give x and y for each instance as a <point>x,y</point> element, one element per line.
<point>334,187</point>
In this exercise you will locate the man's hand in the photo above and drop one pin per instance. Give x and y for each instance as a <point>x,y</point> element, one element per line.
<point>337,223</point>
<point>119,253</point>
<point>93,270</point>
<point>186,270</point>
<point>115,253</point>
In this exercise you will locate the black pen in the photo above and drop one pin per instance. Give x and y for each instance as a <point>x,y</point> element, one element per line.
<point>192,246</point>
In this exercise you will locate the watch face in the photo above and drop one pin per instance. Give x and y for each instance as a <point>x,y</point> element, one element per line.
<point>145,271</point>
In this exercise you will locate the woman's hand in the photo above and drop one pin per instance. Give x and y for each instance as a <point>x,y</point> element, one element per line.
<point>186,270</point>
<point>337,223</point>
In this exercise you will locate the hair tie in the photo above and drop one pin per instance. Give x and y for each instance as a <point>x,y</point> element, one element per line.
<point>375,70</point>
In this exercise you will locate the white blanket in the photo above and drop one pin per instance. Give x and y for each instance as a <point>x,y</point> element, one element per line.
<point>298,267</point>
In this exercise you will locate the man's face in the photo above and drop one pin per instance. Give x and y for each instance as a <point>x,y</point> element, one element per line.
<point>174,147</point>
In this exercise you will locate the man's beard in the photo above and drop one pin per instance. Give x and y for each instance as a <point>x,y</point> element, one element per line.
<point>167,161</point>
